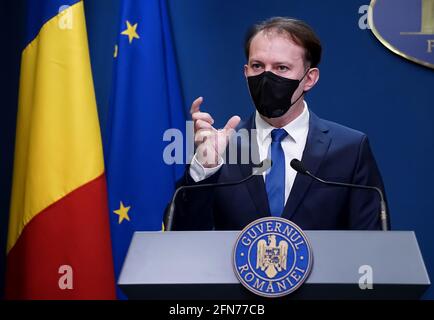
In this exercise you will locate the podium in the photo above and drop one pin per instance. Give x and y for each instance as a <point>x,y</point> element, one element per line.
<point>198,265</point>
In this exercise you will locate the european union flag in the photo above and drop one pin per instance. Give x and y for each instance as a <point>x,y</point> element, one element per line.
<point>146,101</point>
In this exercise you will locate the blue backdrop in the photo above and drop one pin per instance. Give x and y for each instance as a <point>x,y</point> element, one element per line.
<point>362,85</point>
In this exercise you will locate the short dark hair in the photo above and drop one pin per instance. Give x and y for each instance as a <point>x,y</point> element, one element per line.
<point>298,30</point>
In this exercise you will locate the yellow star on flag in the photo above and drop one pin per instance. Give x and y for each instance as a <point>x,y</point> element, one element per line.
<point>122,212</point>
<point>131,32</point>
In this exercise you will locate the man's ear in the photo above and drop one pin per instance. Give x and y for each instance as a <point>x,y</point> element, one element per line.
<point>312,78</point>
<point>246,67</point>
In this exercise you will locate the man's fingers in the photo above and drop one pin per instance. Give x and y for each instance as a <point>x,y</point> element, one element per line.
<point>197,115</point>
<point>201,124</point>
<point>195,107</point>
<point>232,123</point>
<point>202,116</point>
<point>206,133</point>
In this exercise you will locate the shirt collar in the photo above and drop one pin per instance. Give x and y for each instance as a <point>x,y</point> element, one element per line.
<point>296,129</point>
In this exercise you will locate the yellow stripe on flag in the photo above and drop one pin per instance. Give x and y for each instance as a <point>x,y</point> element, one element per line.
<point>58,144</point>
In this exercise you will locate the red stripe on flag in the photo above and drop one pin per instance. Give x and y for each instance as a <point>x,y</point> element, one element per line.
<point>73,234</point>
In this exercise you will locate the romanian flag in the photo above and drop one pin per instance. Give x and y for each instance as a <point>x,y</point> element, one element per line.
<point>59,244</point>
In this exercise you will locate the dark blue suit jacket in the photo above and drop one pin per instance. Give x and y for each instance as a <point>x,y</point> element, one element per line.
<point>332,152</point>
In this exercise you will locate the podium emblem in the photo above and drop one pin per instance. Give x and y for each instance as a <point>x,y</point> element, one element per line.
<point>272,257</point>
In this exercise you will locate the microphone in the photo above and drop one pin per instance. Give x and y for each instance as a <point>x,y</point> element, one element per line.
<point>256,171</point>
<point>298,166</point>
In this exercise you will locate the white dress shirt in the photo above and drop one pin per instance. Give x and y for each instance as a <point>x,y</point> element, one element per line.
<point>293,146</point>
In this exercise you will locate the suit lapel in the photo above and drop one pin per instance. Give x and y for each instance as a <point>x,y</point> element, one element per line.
<point>256,185</point>
<point>317,144</point>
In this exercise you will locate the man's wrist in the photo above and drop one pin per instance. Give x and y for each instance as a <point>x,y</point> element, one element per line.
<point>198,172</point>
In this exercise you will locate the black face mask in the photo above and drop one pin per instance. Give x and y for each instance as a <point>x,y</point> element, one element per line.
<point>272,94</point>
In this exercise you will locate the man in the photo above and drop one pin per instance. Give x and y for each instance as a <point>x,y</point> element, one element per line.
<point>283,56</point>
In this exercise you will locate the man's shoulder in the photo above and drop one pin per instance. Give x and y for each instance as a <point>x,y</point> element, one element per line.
<point>338,130</point>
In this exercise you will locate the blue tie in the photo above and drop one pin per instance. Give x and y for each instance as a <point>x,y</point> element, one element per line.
<point>275,180</point>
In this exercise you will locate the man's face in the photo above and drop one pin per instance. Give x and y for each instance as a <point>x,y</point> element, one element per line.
<point>275,52</point>
<point>280,54</point>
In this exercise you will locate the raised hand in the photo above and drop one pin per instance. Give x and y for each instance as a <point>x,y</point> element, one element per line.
<point>210,142</point>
